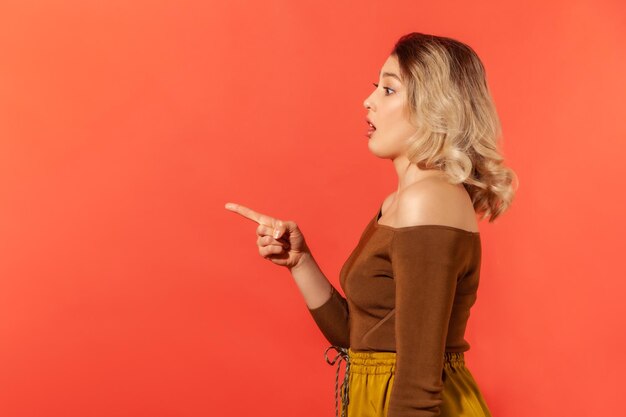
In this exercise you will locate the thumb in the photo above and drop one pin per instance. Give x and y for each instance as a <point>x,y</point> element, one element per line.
<point>279,229</point>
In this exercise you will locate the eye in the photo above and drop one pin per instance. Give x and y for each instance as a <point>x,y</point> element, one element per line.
<point>387,89</point>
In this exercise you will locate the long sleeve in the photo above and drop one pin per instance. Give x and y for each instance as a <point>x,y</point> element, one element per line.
<point>332,318</point>
<point>426,263</point>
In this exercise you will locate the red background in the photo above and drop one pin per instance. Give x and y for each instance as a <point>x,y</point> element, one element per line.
<point>126,287</point>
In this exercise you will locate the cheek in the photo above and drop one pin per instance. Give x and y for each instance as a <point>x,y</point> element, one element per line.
<point>397,122</point>
<point>394,112</point>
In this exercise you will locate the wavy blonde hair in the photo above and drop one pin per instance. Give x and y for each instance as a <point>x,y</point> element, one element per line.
<point>457,125</point>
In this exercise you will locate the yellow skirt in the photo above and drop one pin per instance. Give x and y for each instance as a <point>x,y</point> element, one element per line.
<point>369,377</point>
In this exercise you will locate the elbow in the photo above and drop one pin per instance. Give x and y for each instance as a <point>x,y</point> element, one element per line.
<point>338,339</point>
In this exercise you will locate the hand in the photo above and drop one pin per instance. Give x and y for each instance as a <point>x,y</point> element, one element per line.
<point>280,241</point>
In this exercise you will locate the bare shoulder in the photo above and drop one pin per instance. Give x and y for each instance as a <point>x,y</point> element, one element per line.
<point>435,201</point>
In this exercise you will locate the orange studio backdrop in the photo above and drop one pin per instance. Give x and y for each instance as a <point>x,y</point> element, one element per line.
<point>126,288</point>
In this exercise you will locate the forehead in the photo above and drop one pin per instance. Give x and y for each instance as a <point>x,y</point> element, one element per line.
<point>391,66</point>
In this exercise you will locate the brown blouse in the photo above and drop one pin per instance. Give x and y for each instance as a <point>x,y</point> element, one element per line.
<point>408,290</point>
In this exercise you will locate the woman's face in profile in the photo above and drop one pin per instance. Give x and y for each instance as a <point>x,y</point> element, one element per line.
<point>386,111</point>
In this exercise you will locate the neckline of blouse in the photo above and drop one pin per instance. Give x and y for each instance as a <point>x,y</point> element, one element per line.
<point>421,226</point>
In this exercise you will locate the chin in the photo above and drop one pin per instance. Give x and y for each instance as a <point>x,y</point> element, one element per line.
<point>376,151</point>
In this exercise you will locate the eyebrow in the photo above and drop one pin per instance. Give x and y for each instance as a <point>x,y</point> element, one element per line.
<point>391,74</point>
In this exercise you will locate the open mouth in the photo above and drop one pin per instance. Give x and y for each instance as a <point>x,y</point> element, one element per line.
<point>371,129</point>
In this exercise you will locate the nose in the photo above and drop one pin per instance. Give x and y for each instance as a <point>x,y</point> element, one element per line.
<point>367,103</point>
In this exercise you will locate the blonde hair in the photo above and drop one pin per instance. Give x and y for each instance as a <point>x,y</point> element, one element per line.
<point>457,124</point>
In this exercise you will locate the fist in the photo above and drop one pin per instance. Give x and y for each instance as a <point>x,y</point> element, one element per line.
<point>279,241</point>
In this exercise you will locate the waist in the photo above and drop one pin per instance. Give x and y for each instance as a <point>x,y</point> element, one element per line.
<point>373,362</point>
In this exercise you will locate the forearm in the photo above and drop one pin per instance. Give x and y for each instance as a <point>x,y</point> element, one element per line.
<point>311,281</point>
<point>327,307</point>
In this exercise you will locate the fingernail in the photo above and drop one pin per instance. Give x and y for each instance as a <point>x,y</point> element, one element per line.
<point>276,234</point>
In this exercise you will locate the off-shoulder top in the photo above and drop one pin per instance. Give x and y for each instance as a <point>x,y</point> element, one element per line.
<point>408,290</point>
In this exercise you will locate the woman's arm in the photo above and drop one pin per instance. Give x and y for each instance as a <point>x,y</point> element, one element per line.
<point>311,282</point>
<point>327,307</point>
<point>427,262</point>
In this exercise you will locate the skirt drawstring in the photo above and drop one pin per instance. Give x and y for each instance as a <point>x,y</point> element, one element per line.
<point>342,354</point>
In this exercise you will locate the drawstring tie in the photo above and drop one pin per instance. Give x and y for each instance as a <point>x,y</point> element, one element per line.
<point>342,354</point>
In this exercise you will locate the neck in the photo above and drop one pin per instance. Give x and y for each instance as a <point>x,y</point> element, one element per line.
<point>409,174</point>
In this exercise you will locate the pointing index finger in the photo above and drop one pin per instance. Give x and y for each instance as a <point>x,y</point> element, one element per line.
<point>246,212</point>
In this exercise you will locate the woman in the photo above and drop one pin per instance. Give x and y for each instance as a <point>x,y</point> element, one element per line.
<point>413,276</point>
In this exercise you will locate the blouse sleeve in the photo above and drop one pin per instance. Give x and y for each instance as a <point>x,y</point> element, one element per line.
<point>425,263</point>
<point>332,318</point>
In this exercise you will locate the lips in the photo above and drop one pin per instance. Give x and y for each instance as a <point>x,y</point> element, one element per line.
<point>371,129</point>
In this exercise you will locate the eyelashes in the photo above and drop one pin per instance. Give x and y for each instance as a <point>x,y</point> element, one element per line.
<point>387,89</point>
